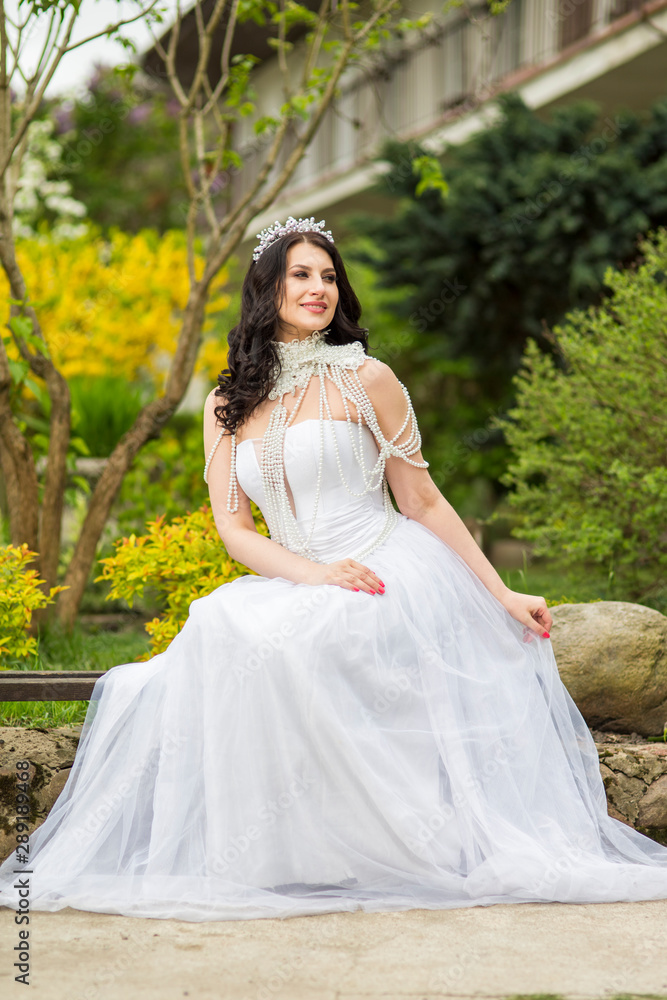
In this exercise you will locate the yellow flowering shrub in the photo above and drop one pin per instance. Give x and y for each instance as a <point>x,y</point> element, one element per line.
<point>114,305</point>
<point>182,560</point>
<point>20,595</point>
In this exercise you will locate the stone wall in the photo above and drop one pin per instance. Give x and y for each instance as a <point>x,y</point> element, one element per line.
<point>51,754</point>
<point>634,773</point>
<point>635,779</point>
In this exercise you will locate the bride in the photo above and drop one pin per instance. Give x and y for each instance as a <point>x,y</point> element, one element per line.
<point>302,747</point>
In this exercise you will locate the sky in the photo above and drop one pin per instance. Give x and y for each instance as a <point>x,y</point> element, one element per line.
<point>78,66</point>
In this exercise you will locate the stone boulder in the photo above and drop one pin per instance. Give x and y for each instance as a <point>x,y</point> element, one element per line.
<point>612,658</point>
<point>50,753</point>
<point>635,780</point>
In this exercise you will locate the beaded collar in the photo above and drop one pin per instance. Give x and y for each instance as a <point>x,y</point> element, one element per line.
<point>301,359</point>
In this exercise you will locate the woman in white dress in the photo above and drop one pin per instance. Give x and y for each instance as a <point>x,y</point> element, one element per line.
<point>374,721</point>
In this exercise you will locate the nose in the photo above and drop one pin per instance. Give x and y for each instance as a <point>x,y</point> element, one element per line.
<point>317,285</point>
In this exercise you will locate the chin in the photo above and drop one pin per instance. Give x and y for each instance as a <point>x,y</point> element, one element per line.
<point>315,322</point>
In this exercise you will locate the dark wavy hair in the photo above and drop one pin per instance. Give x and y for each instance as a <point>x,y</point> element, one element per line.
<point>253,360</point>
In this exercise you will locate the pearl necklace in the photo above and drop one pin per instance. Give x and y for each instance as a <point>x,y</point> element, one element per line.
<point>300,360</point>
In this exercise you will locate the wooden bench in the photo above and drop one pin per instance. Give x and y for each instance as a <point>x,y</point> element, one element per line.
<point>48,685</point>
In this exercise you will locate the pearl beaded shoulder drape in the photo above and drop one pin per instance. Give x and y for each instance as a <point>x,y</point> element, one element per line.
<point>299,362</point>
<point>306,749</point>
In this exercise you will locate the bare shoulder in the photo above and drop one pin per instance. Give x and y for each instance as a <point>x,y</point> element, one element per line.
<point>212,426</point>
<point>214,397</point>
<point>373,368</point>
<point>381,383</point>
<point>212,401</point>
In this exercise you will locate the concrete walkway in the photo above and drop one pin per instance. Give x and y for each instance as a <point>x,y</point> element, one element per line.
<point>574,951</point>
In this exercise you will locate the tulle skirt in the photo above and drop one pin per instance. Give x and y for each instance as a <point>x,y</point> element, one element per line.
<point>307,749</point>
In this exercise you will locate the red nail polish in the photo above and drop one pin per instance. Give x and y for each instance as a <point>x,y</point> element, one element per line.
<point>372,591</point>
<point>545,635</point>
<point>356,588</point>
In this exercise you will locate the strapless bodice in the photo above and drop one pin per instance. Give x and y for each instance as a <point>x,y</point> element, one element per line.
<point>344,523</point>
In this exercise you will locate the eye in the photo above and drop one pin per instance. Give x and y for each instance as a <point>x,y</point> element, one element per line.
<point>304,274</point>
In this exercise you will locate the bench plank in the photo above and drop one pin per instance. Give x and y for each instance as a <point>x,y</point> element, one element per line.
<point>48,685</point>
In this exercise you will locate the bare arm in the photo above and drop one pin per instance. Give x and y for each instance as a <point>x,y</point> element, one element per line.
<point>244,543</point>
<point>419,498</point>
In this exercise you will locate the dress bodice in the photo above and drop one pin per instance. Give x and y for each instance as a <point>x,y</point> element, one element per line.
<point>343,522</point>
<point>299,471</point>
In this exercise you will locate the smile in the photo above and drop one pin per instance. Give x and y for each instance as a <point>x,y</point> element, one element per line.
<point>315,308</point>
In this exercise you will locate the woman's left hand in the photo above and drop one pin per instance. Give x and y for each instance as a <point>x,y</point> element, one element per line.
<point>530,611</point>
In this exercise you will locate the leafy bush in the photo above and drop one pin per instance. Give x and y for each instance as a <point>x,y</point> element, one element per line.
<point>538,208</point>
<point>182,561</point>
<point>537,211</point>
<point>120,151</point>
<point>165,479</point>
<point>113,304</point>
<point>20,595</point>
<point>589,467</point>
<point>104,408</point>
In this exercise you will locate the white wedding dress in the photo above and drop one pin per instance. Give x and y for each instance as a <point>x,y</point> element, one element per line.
<point>306,749</point>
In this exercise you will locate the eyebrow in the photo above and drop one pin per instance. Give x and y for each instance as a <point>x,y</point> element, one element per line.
<point>306,267</point>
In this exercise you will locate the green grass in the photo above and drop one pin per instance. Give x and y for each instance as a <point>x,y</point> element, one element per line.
<point>83,649</point>
<point>562,584</point>
<point>560,996</point>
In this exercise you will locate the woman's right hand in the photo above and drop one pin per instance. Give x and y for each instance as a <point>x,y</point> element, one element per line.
<point>347,573</point>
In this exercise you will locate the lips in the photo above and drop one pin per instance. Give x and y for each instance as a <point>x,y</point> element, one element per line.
<point>315,307</point>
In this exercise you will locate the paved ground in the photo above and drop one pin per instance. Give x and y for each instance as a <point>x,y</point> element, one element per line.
<point>575,951</point>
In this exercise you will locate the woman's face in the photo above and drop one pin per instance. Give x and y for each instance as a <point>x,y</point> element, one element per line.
<point>311,293</point>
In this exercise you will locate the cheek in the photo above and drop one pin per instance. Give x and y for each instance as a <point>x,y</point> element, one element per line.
<point>289,297</point>
<point>294,292</point>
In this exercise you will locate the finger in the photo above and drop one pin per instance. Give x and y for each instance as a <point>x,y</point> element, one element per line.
<point>368,580</point>
<point>545,620</point>
<point>369,573</point>
<point>370,584</point>
<point>374,582</point>
<point>535,626</point>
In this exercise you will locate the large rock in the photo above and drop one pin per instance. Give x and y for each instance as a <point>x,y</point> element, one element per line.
<point>635,780</point>
<point>612,658</point>
<point>50,753</point>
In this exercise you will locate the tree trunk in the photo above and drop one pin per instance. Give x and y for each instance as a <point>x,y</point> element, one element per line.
<point>20,476</point>
<point>147,425</point>
<point>50,529</point>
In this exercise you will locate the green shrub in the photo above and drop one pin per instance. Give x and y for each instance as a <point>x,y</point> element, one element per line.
<point>166,477</point>
<point>182,561</point>
<point>589,466</point>
<point>20,595</point>
<point>104,408</point>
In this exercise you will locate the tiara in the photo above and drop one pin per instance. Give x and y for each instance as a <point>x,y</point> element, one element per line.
<point>273,233</point>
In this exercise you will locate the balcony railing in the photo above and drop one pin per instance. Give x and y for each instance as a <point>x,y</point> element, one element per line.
<point>416,90</point>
